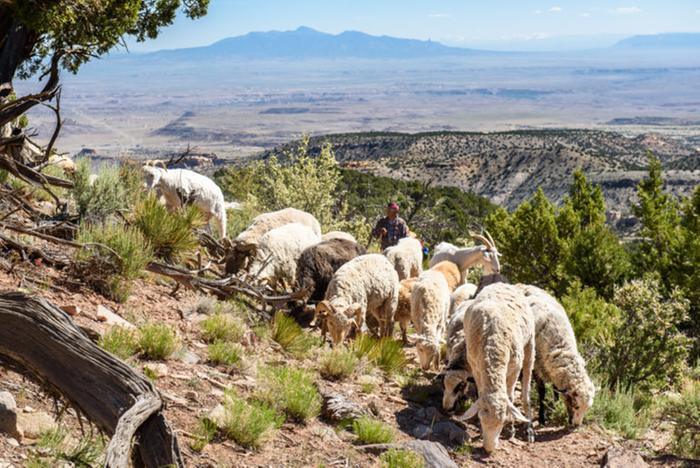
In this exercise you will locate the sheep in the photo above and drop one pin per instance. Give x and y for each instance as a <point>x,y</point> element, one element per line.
<point>407,257</point>
<point>430,304</point>
<point>245,245</point>
<point>557,359</point>
<point>499,331</point>
<point>317,265</point>
<point>181,186</point>
<point>65,163</point>
<point>456,373</point>
<point>451,273</point>
<point>338,235</point>
<point>403,308</point>
<point>467,257</point>
<point>461,294</point>
<point>365,286</point>
<point>278,251</point>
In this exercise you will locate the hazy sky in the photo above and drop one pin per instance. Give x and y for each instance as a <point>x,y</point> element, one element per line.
<point>476,23</point>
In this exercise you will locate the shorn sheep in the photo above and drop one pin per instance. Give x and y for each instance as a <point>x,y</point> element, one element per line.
<point>278,251</point>
<point>403,308</point>
<point>245,245</point>
<point>407,257</point>
<point>182,186</point>
<point>499,331</point>
<point>467,257</point>
<point>365,286</point>
<point>338,235</point>
<point>557,358</point>
<point>430,305</point>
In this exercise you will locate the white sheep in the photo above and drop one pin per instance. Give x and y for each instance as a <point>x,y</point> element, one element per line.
<point>407,257</point>
<point>338,235</point>
<point>365,286</point>
<point>557,358</point>
<point>467,257</point>
<point>499,330</point>
<point>403,308</point>
<point>278,251</point>
<point>430,304</point>
<point>456,373</point>
<point>460,295</point>
<point>182,186</point>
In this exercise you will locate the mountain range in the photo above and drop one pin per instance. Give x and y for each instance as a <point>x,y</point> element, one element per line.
<point>305,42</point>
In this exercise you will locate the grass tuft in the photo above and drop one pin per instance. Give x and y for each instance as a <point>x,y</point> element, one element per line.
<point>338,364</point>
<point>401,458</point>
<point>120,341</point>
<point>226,353</point>
<point>222,327</point>
<point>157,341</point>
<point>55,449</point>
<point>292,391</point>
<point>386,353</point>
<point>249,424</point>
<point>372,431</point>
<point>204,434</point>
<point>293,339</point>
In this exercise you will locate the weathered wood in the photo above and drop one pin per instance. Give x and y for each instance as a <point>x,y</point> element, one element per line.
<point>43,340</point>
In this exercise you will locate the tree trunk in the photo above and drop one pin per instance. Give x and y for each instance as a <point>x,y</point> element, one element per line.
<point>42,339</point>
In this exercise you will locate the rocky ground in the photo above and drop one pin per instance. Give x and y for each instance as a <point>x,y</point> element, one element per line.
<point>191,387</point>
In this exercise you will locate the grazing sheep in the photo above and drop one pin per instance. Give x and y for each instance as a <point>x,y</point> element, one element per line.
<point>451,273</point>
<point>461,294</point>
<point>318,263</point>
<point>557,359</point>
<point>407,257</point>
<point>182,186</point>
<point>499,330</point>
<point>338,235</point>
<point>246,243</point>
<point>403,308</point>
<point>467,257</point>
<point>278,251</point>
<point>365,286</point>
<point>65,163</point>
<point>430,304</point>
<point>456,373</point>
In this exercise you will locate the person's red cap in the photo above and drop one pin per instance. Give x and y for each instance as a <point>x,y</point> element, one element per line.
<point>393,206</point>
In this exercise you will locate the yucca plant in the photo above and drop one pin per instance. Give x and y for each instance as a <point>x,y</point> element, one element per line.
<point>293,339</point>
<point>171,234</point>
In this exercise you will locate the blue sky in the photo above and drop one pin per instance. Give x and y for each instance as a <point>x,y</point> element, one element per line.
<point>499,24</point>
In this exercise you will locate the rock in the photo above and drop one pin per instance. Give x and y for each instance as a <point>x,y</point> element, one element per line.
<point>434,453</point>
<point>71,310</point>
<point>326,434</point>
<point>12,442</point>
<point>337,407</point>
<point>191,395</point>
<point>8,415</point>
<point>188,357</point>
<point>215,392</point>
<point>428,415</point>
<point>34,424</point>
<point>217,415</point>
<point>618,457</point>
<point>156,369</point>
<point>110,318</point>
<point>421,431</point>
<point>452,431</point>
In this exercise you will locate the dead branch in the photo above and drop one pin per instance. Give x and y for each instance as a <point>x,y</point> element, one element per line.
<point>178,157</point>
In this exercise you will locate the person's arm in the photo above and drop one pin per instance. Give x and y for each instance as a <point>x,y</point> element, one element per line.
<point>379,230</point>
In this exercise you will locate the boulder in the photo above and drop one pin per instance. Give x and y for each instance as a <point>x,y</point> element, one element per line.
<point>618,457</point>
<point>421,431</point>
<point>451,431</point>
<point>8,415</point>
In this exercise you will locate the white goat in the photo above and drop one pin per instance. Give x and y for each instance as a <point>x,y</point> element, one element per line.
<point>467,257</point>
<point>407,257</point>
<point>557,358</point>
<point>182,186</point>
<point>499,331</point>
<point>365,286</point>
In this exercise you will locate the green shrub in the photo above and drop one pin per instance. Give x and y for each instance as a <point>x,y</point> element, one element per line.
<point>371,431</point>
<point>249,424</point>
<point>291,390</point>
<point>120,341</point>
<point>204,433</point>
<point>171,234</point>
<point>111,192</point>
<point>226,353</point>
<point>684,411</point>
<point>648,350</point>
<point>338,364</point>
<point>157,341</point>
<point>293,339</point>
<point>222,327</point>
<point>401,458</point>
<point>114,256</point>
<point>620,411</point>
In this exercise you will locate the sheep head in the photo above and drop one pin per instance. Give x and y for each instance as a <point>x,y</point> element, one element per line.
<point>239,256</point>
<point>578,401</point>
<point>494,411</point>
<point>151,176</point>
<point>339,321</point>
<point>454,387</point>
<point>428,352</point>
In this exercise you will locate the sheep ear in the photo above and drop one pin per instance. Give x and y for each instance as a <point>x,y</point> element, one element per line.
<point>517,415</point>
<point>471,412</point>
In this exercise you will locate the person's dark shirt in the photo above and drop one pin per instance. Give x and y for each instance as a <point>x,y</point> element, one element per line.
<point>395,229</point>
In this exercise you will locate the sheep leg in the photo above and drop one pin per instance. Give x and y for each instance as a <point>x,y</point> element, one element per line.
<point>528,366</point>
<point>542,400</point>
<point>404,330</point>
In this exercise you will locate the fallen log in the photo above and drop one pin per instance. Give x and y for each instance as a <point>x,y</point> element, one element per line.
<point>41,339</point>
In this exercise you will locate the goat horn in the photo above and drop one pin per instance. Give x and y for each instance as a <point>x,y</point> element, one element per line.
<point>484,240</point>
<point>493,244</point>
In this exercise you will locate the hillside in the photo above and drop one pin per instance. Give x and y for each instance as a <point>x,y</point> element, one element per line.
<point>662,41</point>
<point>507,167</point>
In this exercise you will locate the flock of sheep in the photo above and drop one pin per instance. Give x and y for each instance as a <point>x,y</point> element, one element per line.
<point>493,334</point>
